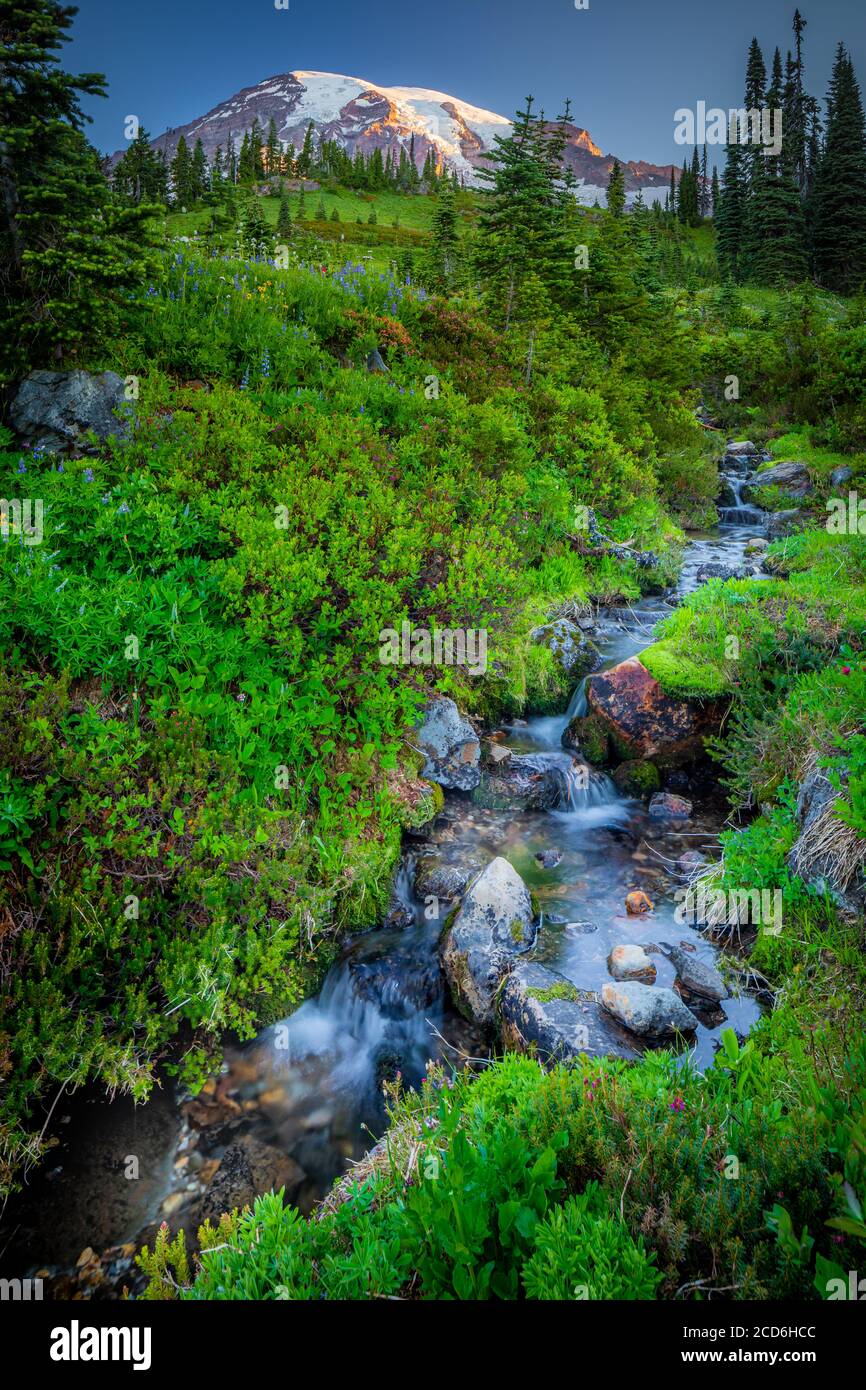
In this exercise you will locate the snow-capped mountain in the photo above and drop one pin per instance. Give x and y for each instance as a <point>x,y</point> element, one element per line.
<point>358,113</point>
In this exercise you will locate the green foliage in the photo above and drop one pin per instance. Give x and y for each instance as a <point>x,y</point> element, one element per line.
<point>582,1252</point>
<point>71,254</point>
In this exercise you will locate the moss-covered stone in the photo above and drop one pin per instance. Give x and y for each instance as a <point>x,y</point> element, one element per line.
<point>637,777</point>
<point>563,990</point>
<point>588,735</point>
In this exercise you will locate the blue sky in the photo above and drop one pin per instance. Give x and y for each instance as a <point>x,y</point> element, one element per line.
<point>626,64</point>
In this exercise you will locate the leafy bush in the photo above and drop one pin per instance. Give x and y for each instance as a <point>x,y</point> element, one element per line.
<point>582,1252</point>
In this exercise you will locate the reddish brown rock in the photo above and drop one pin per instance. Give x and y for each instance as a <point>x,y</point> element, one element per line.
<point>644,722</point>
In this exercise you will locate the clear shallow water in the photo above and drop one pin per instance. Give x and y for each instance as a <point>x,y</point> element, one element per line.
<point>311,1086</point>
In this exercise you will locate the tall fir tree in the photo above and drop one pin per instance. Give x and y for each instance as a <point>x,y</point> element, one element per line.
<point>140,175</point>
<point>304,163</point>
<point>284,218</point>
<point>616,190</point>
<point>730,211</point>
<point>838,205</point>
<point>273,151</point>
<point>181,175</point>
<point>704,186</point>
<point>778,226</point>
<point>199,173</point>
<point>519,235</point>
<point>443,265</point>
<point>71,253</point>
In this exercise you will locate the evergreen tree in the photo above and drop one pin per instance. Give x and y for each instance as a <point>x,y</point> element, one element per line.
<point>778,227</point>
<point>376,170</point>
<point>704,186</point>
<point>716,194</point>
<point>284,218</point>
<point>245,161</point>
<point>254,236</point>
<point>321,211</point>
<point>756,88</point>
<point>304,162</point>
<point>687,204</point>
<point>273,150</point>
<point>256,151</point>
<point>671,205</point>
<point>730,213</point>
<point>181,175</point>
<point>616,191</point>
<point>71,254</point>
<point>838,210</point>
<point>231,161</point>
<point>414,176</point>
<point>199,174</point>
<point>140,176</point>
<point>520,231</point>
<point>443,262</point>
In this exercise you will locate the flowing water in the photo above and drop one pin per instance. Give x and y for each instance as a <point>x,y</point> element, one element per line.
<point>310,1088</point>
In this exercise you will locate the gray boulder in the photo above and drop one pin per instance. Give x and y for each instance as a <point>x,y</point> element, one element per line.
<point>527,782</point>
<point>646,1011</point>
<point>713,570</point>
<point>665,805</point>
<point>694,976</point>
<point>494,924</point>
<point>540,1010</point>
<point>248,1169</point>
<point>54,410</point>
<point>571,648</point>
<point>738,447</point>
<point>450,746</point>
<point>841,475</point>
<point>756,546</point>
<point>792,478</point>
<point>782,523</point>
<point>437,879</point>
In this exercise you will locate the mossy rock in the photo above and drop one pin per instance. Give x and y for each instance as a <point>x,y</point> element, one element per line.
<point>548,685</point>
<point>682,677</point>
<point>562,990</point>
<point>588,735</point>
<point>637,778</point>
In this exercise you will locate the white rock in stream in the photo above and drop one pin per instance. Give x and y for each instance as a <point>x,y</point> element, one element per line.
<point>494,924</point>
<point>631,963</point>
<point>649,1012</point>
<point>450,746</point>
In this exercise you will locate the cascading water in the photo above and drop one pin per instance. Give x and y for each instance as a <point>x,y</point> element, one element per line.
<point>310,1088</point>
<point>738,512</point>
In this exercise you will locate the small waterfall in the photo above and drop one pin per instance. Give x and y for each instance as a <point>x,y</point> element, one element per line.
<point>370,1018</point>
<point>589,797</point>
<point>741,513</point>
<point>547,730</point>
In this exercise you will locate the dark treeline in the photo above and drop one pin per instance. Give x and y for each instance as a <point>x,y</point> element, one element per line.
<point>188,179</point>
<point>783,216</point>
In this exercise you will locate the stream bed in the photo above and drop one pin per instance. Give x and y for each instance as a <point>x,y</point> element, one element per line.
<point>296,1105</point>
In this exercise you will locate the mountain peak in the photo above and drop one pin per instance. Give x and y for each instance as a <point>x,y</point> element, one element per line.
<point>361,114</point>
